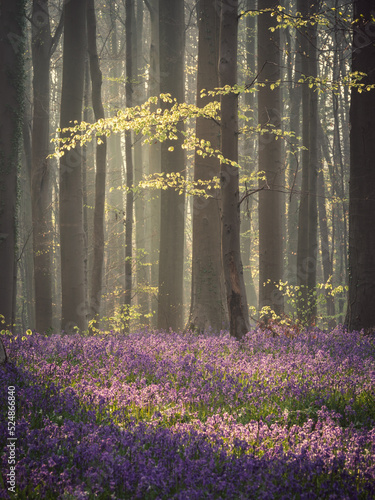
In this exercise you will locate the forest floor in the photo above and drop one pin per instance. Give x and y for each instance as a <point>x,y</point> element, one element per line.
<point>156,415</point>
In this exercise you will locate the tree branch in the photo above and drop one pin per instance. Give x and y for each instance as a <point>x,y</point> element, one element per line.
<point>249,193</point>
<point>56,37</point>
<point>149,6</point>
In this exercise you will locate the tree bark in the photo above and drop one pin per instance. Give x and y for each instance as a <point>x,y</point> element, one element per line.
<point>171,256</point>
<point>41,191</point>
<point>361,311</point>
<point>249,145</point>
<point>208,302</point>
<point>295,97</point>
<point>12,20</point>
<point>270,199</point>
<point>101,159</point>
<point>239,323</point>
<point>26,259</point>
<point>129,161</point>
<point>3,354</point>
<point>324,245</point>
<point>139,159</point>
<point>71,197</point>
<point>307,220</point>
<point>154,160</point>
<point>114,270</point>
<point>340,178</point>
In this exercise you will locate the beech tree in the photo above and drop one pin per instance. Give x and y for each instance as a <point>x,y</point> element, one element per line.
<point>43,47</point>
<point>208,303</point>
<point>307,220</point>
<point>171,256</point>
<point>248,215</point>
<point>101,158</point>
<point>361,311</point>
<point>115,255</point>
<point>129,159</point>
<point>229,175</point>
<point>71,196</point>
<point>154,158</point>
<point>270,162</point>
<point>12,22</point>
<point>140,206</point>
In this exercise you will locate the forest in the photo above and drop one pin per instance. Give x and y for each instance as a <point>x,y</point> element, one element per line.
<point>187,265</point>
<point>206,182</point>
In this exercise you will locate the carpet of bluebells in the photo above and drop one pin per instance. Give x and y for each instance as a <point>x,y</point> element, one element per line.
<point>160,415</point>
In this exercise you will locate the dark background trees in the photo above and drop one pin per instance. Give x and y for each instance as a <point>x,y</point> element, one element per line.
<point>360,313</point>
<point>73,293</point>
<point>12,47</point>
<point>229,175</point>
<point>271,200</point>
<point>172,215</point>
<point>208,297</point>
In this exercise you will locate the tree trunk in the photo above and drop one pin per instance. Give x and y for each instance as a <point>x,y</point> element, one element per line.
<point>340,178</point>
<point>154,160</point>
<point>313,167</point>
<point>71,197</point>
<point>324,245</point>
<point>139,157</point>
<point>307,221</point>
<point>208,303</point>
<point>361,311</point>
<point>85,183</point>
<point>40,178</point>
<point>101,158</point>
<point>3,354</point>
<point>249,146</point>
<point>114,271</point>
<point>295,96</point>
<point>11,116</point>
<point>171,257</point>
<point>230,219</point>
<point>26,259</point>
<point>129,162</point>
<point>270,199</point>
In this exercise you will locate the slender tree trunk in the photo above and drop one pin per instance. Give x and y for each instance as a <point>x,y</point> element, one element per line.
<point>3,354</point>
<point>208,302</point>
<point>171,257</point>
<point>129,161</point>
<point>139,157</point>
<point>307,221</point>
<point>270,199</point>
<point>247,215</point>
<point>55,182</point>
<point>303,255</point>
<point>114,271</point>
<point>12,20</point>
<point>325,149</point>
<point>71,197</point>
<point>295,95</point>
<point>40,178</point>
<point>85,180</point>
<point>154,160</point>
<point>101,158</point>
<point>338,163</point>
<point>230,219</point>
<point>324,245</point>
<point>361,311</point>
<point>313,167</point>
<point>25,214</point>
